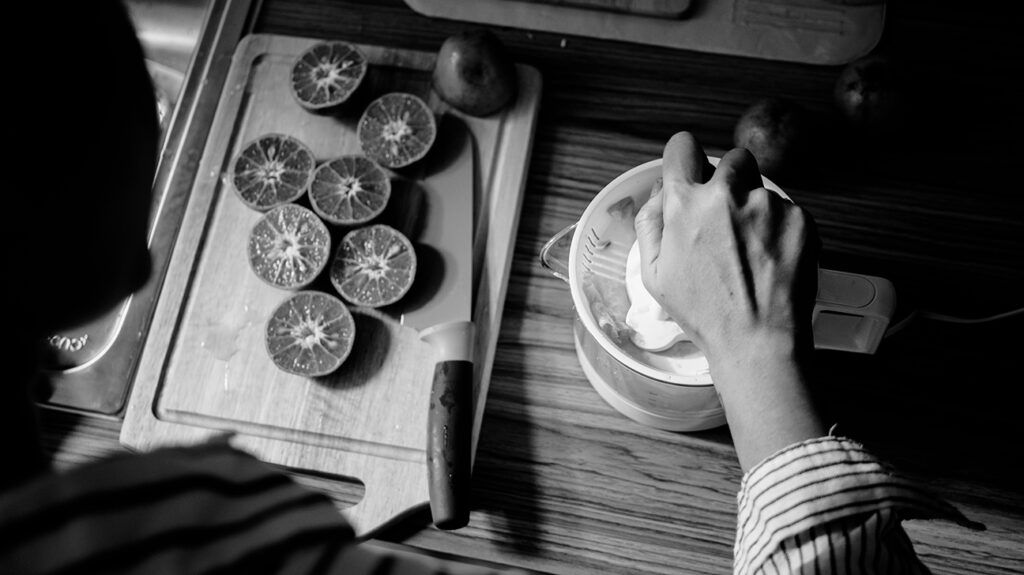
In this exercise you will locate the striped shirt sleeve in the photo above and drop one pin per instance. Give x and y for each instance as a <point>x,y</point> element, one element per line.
<point>826,505</point>
<point>207,509</point>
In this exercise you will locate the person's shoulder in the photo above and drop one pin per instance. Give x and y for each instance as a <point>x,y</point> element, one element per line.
<point>200,507</point>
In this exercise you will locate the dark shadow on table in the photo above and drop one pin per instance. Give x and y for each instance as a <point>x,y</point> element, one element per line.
<point>505,458</point>
<point>504,475</point>
<point>941,402</point>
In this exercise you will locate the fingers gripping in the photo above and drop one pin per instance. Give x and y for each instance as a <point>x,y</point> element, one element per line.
<point>683,162</point>
<point>737,171</point>
<point>649,224</point>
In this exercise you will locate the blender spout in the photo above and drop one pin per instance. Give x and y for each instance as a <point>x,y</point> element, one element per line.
<point>554,256</point>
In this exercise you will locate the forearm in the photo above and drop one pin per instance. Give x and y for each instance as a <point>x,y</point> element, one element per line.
<point>764,391</point>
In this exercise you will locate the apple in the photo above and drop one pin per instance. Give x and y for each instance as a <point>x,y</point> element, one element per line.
<point>775,131</point>
<point>474,74</point>
<point>868,93</point>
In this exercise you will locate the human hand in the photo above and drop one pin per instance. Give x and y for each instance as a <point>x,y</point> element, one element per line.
<point>733,263</point>
<point>736,266</point>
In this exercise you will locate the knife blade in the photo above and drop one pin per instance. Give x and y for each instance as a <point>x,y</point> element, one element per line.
<point>445,322</point>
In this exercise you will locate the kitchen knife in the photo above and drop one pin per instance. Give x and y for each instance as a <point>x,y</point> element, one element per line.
<point>445,321</point>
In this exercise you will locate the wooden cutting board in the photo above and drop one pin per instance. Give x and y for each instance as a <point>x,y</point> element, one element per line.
<point>204,369</point>
<point>829,32</point>
<point>654,8</point>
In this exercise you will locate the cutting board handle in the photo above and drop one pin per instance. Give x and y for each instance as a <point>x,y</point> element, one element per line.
<point>392,491</point>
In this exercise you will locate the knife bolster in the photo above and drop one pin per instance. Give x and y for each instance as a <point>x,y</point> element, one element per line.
<point>453,340</point>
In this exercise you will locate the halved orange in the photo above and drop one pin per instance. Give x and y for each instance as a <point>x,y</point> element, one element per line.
<point>397,129</point>
<point>326,74</point>
<point>310,334</point>
<point>374,266</point>
<point>272,170</point>
<point>349,190</point>
<point>289,246</point>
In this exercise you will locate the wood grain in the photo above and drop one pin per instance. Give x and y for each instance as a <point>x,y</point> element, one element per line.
<point>655,8</point>
<point>563,484</point>
<point>205,369</point>
<point>789,30</point>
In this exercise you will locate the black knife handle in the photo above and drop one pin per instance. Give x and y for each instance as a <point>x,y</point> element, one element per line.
<point>449,443</point>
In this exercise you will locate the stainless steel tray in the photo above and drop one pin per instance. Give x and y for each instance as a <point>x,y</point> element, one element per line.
<point>90,367</point>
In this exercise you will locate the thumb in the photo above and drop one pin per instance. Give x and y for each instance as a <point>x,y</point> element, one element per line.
<point>649,224</point>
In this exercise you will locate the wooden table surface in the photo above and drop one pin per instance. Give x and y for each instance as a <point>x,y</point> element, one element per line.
<point>563,483</point>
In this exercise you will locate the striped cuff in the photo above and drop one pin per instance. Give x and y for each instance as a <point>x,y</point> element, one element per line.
<point>820,481</point>
<point>175,510</point>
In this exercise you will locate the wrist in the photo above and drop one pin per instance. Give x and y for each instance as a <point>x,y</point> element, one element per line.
<point>764,388</point>
<point>756,353</point>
